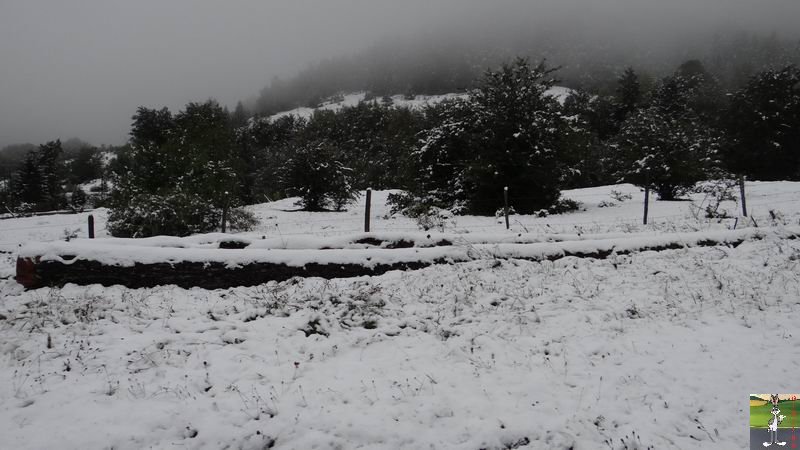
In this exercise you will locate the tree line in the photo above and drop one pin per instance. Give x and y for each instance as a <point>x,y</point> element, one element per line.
<point>182,172</point>
<point>48,177</point>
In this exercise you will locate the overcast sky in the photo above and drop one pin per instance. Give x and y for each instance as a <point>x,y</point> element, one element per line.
<point>80,68</point>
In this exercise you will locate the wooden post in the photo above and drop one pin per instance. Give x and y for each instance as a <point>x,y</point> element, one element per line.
<point>742,195</point>
<point>646,202</point>
<point>505,198</point>
<point>225,213</point>
<point>367,210</point>
<point>91,226</point>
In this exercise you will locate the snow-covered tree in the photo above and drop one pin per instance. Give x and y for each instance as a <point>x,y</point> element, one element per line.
<point>314,173</point>
<point>509,133</point>
<point>666,153</point>
<point>39,181</point>
<point>671,142</point>
<point>183,172</point>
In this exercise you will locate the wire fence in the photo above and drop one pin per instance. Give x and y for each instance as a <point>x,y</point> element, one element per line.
<point>284,223</point>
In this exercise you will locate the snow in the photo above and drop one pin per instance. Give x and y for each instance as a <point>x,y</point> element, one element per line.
<point>127,255</point>
<point>652,349</point>
<point>560,93</point>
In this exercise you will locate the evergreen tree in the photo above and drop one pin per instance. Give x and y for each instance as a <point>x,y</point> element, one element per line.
<point>264,147</point>
<point>666,153</point>
<point>509,134</point>
<point>590,122</point>
<point>672,143</point>
<point>629,94</point>
<point>27,182</point>
<point>314,173</point>
<point>183,172</point>
<point>763,125</point>
<point>440,163</point>
<point>204,146</point>
<point>85,166</point>
<point>374,140</point>
<point>239,116</point>
<point>150,162</point>
<point>77,199</point>
<point>51,170</point>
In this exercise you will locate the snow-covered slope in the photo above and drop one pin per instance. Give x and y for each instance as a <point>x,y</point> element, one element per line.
<point>419,101</point>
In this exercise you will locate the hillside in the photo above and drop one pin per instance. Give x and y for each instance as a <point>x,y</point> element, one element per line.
<point>444,61</point>
<point>336,103</point>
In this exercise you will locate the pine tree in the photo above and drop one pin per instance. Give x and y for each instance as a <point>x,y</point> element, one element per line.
<point>629,94</point>
<point>239,116</point>
<point>27,182</point>
<point>85,166</point>
<point>763,125</point>
<point>51,169</point>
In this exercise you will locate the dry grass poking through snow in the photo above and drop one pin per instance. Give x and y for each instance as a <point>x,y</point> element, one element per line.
<point>652,350</point>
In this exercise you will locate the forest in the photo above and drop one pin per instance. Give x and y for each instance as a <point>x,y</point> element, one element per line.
<point>181,171</point>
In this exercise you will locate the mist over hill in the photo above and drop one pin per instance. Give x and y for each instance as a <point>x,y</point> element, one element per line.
<point>592,45</point>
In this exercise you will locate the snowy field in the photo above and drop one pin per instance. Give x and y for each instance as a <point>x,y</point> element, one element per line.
<point>650,350</point>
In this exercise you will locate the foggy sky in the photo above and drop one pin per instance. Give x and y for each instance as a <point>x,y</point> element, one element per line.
<point>80,69</point>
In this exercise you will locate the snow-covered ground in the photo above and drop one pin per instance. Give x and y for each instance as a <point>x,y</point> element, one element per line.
<point>649,350</point>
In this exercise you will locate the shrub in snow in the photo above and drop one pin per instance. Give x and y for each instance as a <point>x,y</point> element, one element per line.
<point>434,218</point>
<point>716,192</point>
<point>178,214</point>
<point>565,205</point>
<point>502,212</point>
<point>620,196</point>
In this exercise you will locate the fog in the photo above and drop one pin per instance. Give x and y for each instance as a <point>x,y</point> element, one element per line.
<point>80,69</point>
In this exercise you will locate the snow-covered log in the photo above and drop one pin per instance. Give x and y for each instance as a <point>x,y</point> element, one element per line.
<point>176,262</point>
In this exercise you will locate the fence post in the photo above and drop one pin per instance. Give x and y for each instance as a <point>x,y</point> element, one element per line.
<point>742,195</point>
<point>505,198</point>
<point>367,210</point>
<point>646,202</point>
<point>91,226</point>
<point>225,213</point>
